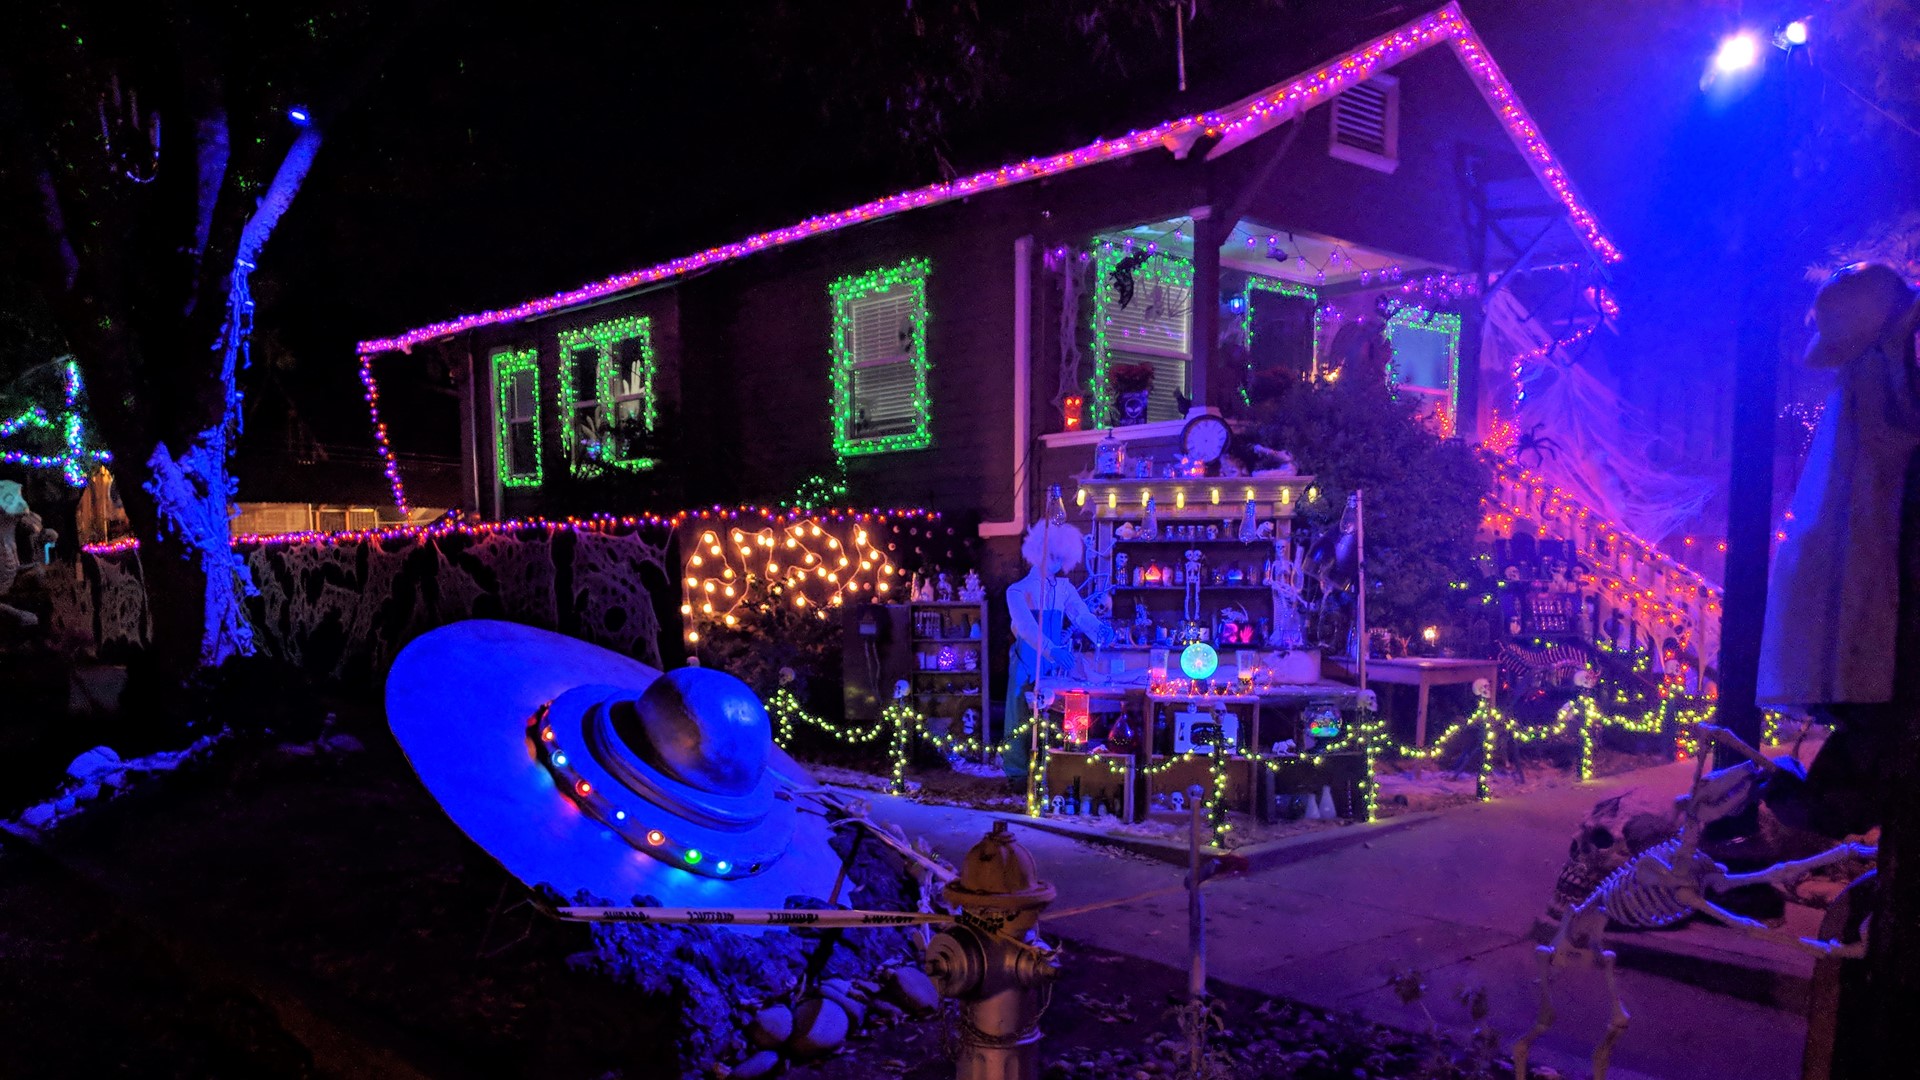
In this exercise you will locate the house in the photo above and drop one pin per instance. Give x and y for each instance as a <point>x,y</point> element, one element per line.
<point>961,345</point>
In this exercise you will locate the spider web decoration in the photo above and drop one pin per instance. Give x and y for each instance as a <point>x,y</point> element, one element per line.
<point>1895,242</point>
<point>1606,445</point>
<point>1070,269</point>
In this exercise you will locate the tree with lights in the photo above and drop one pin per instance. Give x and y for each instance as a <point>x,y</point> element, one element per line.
<point>46,434</point>
<point>147,155</point>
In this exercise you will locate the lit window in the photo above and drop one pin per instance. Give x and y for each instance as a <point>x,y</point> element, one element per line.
<point>516,430</point>
<point>1426,361</point>
<point>606,392</point>
<point>880,399</point>
<point>1142,336</point>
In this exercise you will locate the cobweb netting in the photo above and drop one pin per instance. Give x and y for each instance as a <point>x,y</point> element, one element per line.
<point>1606,446</point>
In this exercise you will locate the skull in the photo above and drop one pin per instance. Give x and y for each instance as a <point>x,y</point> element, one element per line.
<point>1483,689</point>
<point>1614,831</point>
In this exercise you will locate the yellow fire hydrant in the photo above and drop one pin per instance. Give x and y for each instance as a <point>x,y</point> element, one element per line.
<point>991,962</point>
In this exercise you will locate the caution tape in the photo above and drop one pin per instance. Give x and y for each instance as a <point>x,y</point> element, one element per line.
<point>834,918</point>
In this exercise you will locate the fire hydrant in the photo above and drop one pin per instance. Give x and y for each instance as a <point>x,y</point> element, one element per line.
<point>991,962</point>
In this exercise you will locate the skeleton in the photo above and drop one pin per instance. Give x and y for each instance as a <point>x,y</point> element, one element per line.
<point>1615,830</point>
<point>1669,882</point>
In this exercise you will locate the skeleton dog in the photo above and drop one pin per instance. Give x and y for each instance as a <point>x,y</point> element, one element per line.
<point>1669,882</point>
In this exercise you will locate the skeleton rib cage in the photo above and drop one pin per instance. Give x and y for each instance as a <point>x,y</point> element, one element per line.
<point>1630,900</point>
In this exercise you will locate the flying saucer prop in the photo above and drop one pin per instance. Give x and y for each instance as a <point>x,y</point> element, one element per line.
<point>583,769</point>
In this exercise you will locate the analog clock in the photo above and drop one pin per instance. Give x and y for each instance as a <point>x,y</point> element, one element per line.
<point>1205,438</point>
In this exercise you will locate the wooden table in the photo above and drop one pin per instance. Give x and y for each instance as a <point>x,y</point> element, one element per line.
<point>1424,672</point>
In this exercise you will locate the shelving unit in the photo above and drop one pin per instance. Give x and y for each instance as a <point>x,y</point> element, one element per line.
<point>1184,509</point>
<point>952,667</point>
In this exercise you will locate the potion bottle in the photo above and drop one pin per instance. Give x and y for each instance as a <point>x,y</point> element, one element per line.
<point>1249,526</point>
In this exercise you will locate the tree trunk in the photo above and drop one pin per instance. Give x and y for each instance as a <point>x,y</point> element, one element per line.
<point>175,581</point>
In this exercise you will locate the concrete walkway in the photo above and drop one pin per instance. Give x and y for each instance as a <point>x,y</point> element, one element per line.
<point>1455,896</point>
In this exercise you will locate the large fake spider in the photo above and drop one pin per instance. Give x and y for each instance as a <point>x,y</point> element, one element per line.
<point>1121,277</point>
<point>1540,446</point>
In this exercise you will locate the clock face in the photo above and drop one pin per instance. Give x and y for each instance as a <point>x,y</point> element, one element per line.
<point>1205,438</point>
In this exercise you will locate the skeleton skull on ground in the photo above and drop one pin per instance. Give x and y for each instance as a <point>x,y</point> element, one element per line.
<point>1615,830</point>
<point>1623,826</point>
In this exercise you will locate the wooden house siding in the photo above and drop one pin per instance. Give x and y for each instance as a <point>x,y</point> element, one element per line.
<point>743,350</point>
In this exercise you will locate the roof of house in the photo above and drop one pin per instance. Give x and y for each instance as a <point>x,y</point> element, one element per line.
<point>1229,127</point>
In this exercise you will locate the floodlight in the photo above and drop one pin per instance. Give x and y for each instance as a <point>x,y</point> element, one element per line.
<point>1737,53</point>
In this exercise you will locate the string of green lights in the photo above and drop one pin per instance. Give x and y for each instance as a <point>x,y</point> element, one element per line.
<point>899,725</point>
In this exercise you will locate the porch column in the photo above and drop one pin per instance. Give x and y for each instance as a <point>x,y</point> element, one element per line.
<point>1206,301</point>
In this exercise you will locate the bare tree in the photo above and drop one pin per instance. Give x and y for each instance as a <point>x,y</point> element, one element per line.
<point>149,153</point>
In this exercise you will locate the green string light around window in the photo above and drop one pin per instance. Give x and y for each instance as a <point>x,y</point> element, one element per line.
<point>603,338</point>
<point>1256,283</point>
<point>846,292</point>
<point>1409,317</point>
<point>507,364</point>
<point>1156,270</point>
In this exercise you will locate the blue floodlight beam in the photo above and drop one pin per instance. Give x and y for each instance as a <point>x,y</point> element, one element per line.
<point>300,116</point>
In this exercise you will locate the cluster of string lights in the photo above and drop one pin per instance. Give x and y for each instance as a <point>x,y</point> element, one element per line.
<point>607,811</point>
<point>737,567</point>
<point>1518,365</point>
<point>1636,575</point>
<point>74,459</point>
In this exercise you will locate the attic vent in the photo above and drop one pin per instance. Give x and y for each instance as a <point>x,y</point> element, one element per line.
<point>1366,124</point>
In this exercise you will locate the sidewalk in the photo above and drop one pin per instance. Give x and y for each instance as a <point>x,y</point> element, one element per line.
<point>1455,895</point>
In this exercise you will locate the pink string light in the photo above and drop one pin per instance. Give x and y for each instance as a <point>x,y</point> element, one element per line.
<point>1279,104</point>
<point>591,523</point>
<point>1233,125</point>
<point>380,442</point>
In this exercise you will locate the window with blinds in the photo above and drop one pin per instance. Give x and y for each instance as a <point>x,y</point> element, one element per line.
<point>1150,323</point>
<point>516,380</point>
<point>880,361</point>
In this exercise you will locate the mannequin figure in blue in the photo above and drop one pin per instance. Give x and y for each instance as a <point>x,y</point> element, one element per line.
<point>1044,609</point>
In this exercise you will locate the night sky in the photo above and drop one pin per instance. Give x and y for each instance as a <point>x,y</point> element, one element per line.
<point>504,155</point>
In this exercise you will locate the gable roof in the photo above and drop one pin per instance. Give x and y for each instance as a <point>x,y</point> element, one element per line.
<point>1232,126</point>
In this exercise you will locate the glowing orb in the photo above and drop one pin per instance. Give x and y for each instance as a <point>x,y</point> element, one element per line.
<point>1796,32</point>
<point>1199,661</point>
